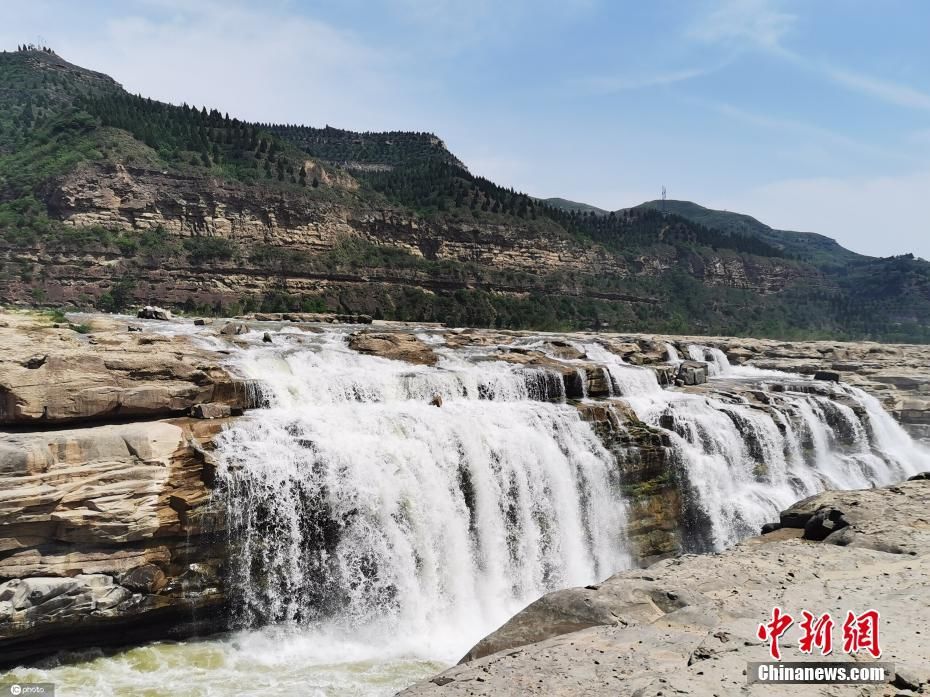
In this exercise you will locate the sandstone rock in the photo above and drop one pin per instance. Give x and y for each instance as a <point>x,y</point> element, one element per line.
<point>153,312</point>
<point>211,410</point>
<point>53,376</point>
<point>394,345</point>
<point>82,507</point>
<point>234,329</point>
<point>692,373</point>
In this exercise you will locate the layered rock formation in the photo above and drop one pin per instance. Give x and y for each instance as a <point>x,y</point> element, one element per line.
<point>106,535</point>
<point>688,625</point>
<point>300,227</point>
<point>56,373</point>
<point>102,531</point>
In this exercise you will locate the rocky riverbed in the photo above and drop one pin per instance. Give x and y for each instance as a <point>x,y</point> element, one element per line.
<point>107,535</point>
<point>688,625</point>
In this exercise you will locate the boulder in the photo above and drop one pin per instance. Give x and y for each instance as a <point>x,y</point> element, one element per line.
<point>147,578</point>
<point>153,312</point>
<point>692,373</point>
<point>234,329</point>
<point>398,346</point>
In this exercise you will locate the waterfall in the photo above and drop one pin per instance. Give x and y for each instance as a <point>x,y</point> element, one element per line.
<point>356,504</point>
<point>717,361</point>
<point>744,461</point>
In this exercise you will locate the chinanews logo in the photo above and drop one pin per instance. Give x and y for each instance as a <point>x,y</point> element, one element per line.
<point>860,635</point>
<point>860,632</point>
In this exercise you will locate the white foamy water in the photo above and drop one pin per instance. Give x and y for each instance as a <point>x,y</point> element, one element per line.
<point>377,537</point>
<point>742,462</point>
<point>359,509</point>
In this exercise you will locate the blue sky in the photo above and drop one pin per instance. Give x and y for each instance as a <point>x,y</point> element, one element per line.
<point>808,115</point>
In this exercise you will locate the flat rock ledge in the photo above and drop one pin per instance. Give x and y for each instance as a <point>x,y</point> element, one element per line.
<point>687,626</point>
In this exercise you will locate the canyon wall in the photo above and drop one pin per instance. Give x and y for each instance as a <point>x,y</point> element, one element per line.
<point>300,229</point>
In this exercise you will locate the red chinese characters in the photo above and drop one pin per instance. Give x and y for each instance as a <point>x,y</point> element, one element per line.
<point>771,631</point>
<point>860,633</point>
<point>817,632</point>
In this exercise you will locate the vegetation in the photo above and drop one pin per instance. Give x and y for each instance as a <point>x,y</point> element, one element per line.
<point>55,118</point>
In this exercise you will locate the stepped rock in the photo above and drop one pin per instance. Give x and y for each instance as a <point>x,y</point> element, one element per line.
<point>53,375</point>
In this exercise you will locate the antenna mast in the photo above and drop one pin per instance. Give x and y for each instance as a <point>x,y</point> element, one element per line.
<point>663,200</point>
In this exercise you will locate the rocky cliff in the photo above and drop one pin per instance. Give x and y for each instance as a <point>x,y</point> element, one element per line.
<point>305,245</point>
<point>106,532</point>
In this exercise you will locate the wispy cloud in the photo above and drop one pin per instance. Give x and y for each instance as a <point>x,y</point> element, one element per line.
<point>761,25</point>
<point>886,91</point>
<point>803,129</point>
<point>605,84</point>
<point>743,23</point>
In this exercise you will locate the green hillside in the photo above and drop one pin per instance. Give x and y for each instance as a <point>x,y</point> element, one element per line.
<point>683,269</point>
<point>566,205</point>
<point>818,249</point>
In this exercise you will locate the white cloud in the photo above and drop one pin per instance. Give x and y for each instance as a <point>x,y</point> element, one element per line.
<point>884,90</point>
<point>878,215</point>
<point>747,23</point>
<point>607,84</point>
<point>263,63</point>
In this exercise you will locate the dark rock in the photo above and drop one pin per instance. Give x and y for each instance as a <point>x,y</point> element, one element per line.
<point>823,523</point>
<point>917,477</point>
<point>200,322</point>
<point>770,527</point>
<point>266,337</point>
<point>827,375</point>
<point>134,328</point>
<point>147,578</point>
<point>35,361</point>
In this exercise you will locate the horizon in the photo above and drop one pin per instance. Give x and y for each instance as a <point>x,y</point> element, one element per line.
<point>851,167</point>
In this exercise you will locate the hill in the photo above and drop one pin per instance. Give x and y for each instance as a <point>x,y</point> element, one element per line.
<point>818,249</point>
<point>109,199</point>
<point>566,205</point>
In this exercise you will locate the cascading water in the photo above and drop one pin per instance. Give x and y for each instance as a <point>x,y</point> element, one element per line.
<point>375,537</point>
<point>356,505</point>
<point>744,461</point>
